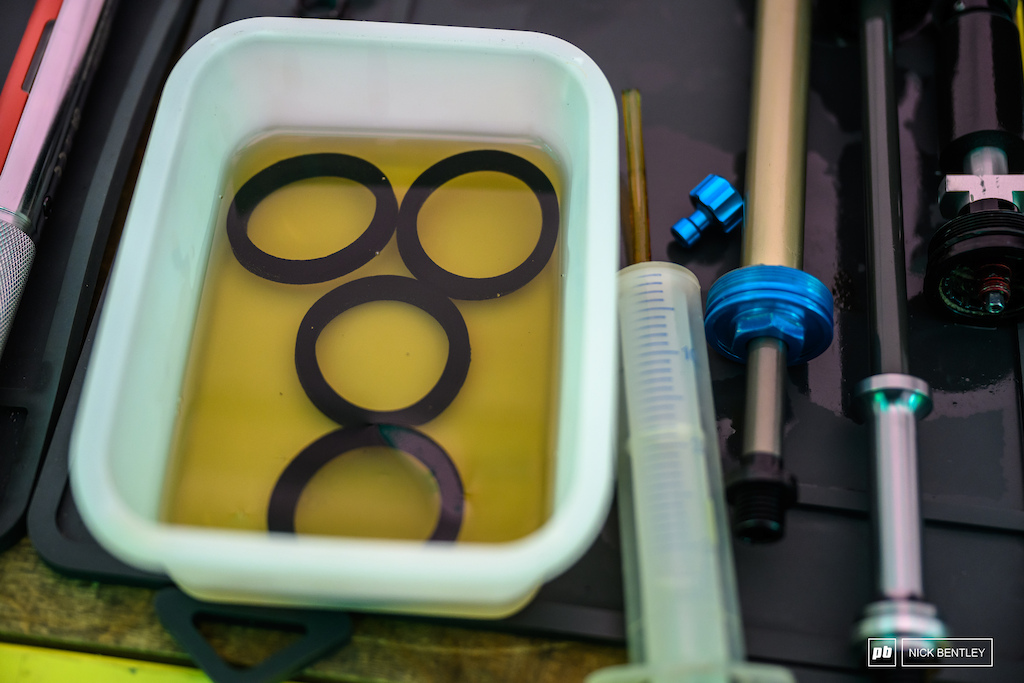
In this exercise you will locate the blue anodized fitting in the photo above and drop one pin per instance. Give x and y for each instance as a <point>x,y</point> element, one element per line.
<point>769,301</point>
<point>716,202</point>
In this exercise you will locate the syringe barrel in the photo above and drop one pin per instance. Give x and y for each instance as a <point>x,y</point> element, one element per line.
<point>688,603</point>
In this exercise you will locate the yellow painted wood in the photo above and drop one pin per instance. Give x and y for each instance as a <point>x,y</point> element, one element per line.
<point>41,608</point>
<point>24,664</point>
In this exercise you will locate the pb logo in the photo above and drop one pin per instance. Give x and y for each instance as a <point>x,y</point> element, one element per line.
<point>882,652</point>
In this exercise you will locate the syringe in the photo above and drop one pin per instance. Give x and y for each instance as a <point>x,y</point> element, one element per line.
<point>683,620</point>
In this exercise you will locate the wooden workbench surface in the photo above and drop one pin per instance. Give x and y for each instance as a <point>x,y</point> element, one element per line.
<point>40,607</point>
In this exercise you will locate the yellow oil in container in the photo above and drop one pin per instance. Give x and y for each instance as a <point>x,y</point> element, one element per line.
<point>244,414</point>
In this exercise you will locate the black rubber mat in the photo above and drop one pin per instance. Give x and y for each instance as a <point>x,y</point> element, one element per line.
<point>801,597</point>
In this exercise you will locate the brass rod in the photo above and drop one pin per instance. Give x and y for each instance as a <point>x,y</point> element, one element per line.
<point>639,242</point>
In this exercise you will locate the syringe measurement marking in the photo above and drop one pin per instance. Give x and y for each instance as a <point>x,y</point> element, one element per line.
<point>663,396</point>
<point>653,343</point>
<point>663,392</point>
<point>651,406</point>
<point>663,473</point>
<point>663,438</point>
<point>664,470</point>
<point>650,317</point>
<point>666,464</point>
<point>663,400</point>
<point>669,352</point>
<point>668,402</point>
<point>671,411</point>
<point>652,326</point>
<point>661,406</point>
<point>653,334</point>
<point>668,408</point>
<point>670,446</point>
<point>655,361</point>
<point>663,466</point>
<point>654,416</point>
<point>662,389</point>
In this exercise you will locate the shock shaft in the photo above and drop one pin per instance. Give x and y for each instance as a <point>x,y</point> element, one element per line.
<point>777,152</point>
<point>776,171</point>
<point>887,279</point>
<point>769,313</point>
<point>893,400</point>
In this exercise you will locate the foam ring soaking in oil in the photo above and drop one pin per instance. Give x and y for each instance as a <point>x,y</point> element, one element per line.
<point>244,415</point>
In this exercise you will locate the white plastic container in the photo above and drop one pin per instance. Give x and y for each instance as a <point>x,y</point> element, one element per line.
<point>260,74</point>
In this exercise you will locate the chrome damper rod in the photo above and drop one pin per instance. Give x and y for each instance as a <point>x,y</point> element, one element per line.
<point>892,400</point>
